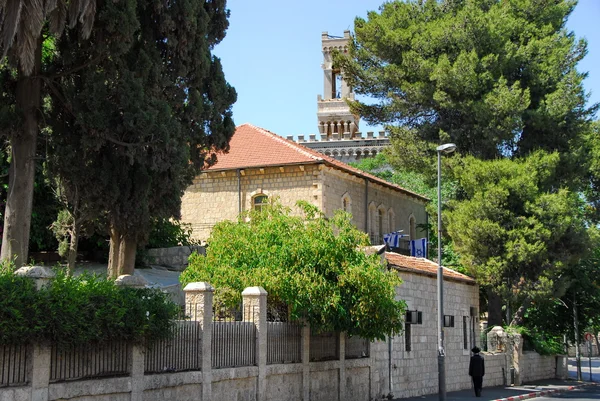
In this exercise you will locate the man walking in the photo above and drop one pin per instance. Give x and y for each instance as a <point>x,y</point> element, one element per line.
<point>477,370</point>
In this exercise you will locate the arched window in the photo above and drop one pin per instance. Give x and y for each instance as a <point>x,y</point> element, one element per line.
<point>391,221</point>
<point>347,203</point>
<point>381,223</point>
<point>259,201</point>
<point>371,229</point>
<point>412,226</point>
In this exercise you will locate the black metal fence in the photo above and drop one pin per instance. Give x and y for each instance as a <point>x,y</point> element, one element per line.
<point>324,347</point>
<point>181,353</point>
<point>92,360</point>
<point>284,342</point>
<point>356,347</point>
<point>13,365</point>
<point>233,344</point>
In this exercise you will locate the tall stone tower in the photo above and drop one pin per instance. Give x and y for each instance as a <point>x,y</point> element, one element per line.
<point>333,113</point>
<point>338,127</point>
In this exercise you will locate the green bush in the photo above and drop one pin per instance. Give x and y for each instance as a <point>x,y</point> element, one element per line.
<point>167,233</point>
<point>541,343</point>
<point>310,263</point>
<point>80,310</point>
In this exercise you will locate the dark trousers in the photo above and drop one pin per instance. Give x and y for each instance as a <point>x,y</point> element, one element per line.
<point>477,383</point>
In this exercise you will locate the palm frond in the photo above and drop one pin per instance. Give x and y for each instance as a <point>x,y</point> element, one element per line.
<point>12,13</point>
<point>29,33</point>
<point>57,19</point>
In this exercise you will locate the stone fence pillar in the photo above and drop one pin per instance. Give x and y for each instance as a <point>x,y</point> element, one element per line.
<point>199,306</point>
<point>41,275</point>
<point>128,280</point>
<point>562,367</point>
<point>255,310</point>
<point>516,355</point>
<point>39,363</point>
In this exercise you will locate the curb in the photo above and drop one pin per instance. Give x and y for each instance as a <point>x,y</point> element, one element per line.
<point>538,394</point>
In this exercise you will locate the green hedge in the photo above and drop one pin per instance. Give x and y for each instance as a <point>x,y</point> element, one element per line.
<point>80,310</point>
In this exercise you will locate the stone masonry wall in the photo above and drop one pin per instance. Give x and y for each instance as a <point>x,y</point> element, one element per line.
<point>536,366</point>
<point>214,196</point>
<point>495,369</point>
<point>175,257</point>
<point>337,183</point>
<point>415,372</point>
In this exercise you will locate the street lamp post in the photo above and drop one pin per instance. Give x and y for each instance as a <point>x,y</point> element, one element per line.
<point>445,148</point>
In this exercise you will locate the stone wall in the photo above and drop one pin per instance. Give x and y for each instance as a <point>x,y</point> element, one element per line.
<point>535,366</point>
<point>415,373</point>
<point>175,258</point>
<point>216,196</point>
<point>584,351</point>
<point>496,372</point>
<point>337,183</point>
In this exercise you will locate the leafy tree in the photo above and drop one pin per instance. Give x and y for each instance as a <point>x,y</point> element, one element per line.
<point>136,111</point>
<point>513,231</point>
<point>495,77</point>
<point>423,184</point>
<point>592,178</point>
<point>21,26</point>
<point>499,79</point>
<point>312,264</point>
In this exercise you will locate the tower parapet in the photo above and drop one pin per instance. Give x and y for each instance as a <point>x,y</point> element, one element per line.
<point>347,148</point>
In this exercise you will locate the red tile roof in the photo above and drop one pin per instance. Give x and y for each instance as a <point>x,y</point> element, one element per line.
<point>423,266</point>
<point>252,146</point>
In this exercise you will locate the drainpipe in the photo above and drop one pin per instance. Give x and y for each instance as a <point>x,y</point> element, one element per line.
<point>390,349</point>
<point>427,232</point>
<point>239,178</point>
<point>367,206</point>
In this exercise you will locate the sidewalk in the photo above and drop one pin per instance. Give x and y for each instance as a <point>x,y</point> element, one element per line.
<point>531,390</point>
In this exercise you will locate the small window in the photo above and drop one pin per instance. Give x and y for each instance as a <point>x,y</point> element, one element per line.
<point>414,317</point>
<point>259,202</point>
<point>347,203</point>
<point>407,339</point>
<point>448,321</point>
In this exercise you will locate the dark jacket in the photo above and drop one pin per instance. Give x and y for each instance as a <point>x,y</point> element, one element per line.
<point>476,366</point>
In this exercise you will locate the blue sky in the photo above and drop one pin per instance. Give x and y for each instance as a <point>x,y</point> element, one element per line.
<point>272,56</point>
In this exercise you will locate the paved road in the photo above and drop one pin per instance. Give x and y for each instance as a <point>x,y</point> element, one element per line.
<point>585,369</point>
<point>579,394</point>
<point>591,391</point>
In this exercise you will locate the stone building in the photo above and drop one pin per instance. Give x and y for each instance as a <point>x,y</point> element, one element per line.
<point>337,126</point>
<point>261,165</point>
<point>407,365</point>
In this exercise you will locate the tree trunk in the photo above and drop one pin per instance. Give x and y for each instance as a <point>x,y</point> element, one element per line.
<point>494,309</point>
<point>127,255</point>
<point>73,245</point>
<point>519,315</point>
<point>576,330</point>
<point>19,199</point>
<point>113,253</point>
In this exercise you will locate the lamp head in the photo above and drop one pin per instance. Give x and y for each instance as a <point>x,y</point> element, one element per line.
<point>446,148</point>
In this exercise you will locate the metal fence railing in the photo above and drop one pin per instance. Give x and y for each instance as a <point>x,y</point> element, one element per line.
<point>180,353</point>
<point>284,342</point>
<point>91,360</point>
<point>13,365</point>
<point>233,344</point>
<point>324,347</point>
<point>356,347</point>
